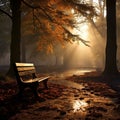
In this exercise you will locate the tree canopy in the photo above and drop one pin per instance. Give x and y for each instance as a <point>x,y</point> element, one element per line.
<point>53,21</point>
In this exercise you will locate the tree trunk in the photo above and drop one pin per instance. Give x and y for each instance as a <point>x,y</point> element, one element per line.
<point>15,34</point>
<point>23,51</point>
<point>111,45</point>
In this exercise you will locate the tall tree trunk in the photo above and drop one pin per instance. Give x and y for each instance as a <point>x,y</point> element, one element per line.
<point>23,51</point>
<point>111,45</point>
<point>15,34</point>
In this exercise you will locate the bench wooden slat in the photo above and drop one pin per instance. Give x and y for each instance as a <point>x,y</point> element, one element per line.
<point>24,64</point>
<point>42,78</point>
<point>31,80</point>
<point>22,73</point>
<point>36,79</point>
<point>25,68</point>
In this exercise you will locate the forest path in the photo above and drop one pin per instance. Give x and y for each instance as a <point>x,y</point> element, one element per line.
<point>77,101</point>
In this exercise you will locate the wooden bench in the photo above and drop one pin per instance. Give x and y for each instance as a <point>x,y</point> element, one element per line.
<point>26,77</point>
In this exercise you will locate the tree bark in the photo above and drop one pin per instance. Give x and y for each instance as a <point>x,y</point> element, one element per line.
<point>111,45</point>
<point>15,34</point>
<point>23,51</point>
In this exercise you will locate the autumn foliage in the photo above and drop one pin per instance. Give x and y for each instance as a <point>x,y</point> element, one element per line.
<point>50,22</point>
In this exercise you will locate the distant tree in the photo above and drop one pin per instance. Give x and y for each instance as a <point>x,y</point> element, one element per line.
<point>99,22</point>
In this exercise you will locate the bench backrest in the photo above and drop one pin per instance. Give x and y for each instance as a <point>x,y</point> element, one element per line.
<point>23,70</point>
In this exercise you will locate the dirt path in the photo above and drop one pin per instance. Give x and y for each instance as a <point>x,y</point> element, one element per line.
<point>77,102</point>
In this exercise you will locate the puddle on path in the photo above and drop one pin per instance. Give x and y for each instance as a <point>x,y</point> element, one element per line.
<point>66,83</point>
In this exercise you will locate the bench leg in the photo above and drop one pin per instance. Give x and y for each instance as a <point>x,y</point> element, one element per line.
<point>35,92</point>
<point>34,89</point>
<point>21,89</point>
<point>45,83</point>
<point>32,86</point>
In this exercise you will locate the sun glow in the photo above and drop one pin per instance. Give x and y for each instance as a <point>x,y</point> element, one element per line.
<point>84,30</point>
<point>81,30</point>
<point>95,1</point>
<point>82,55</point>
<point>100,8</point>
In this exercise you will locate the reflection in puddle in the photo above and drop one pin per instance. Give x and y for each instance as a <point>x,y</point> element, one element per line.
<point>79,105</point>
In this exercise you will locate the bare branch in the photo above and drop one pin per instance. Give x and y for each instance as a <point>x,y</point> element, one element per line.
<point>85,42</point>
<point>38,7</point>
<point>2,11</point>
<point>27,4</point>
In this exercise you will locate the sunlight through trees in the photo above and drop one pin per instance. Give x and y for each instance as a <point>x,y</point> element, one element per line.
<point>49,26</point>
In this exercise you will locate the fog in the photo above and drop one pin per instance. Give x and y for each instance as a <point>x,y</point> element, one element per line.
<point>74,54</point>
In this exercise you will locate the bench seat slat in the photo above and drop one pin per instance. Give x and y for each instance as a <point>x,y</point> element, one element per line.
<point>26,72</point>
<point>25,68</point>
<point>42,78</point>
<point>30,80</point>
<point>35,80</point>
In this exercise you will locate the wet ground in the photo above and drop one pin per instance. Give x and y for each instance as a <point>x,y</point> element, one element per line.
<point>77,101</point>
<point>71,98</point>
